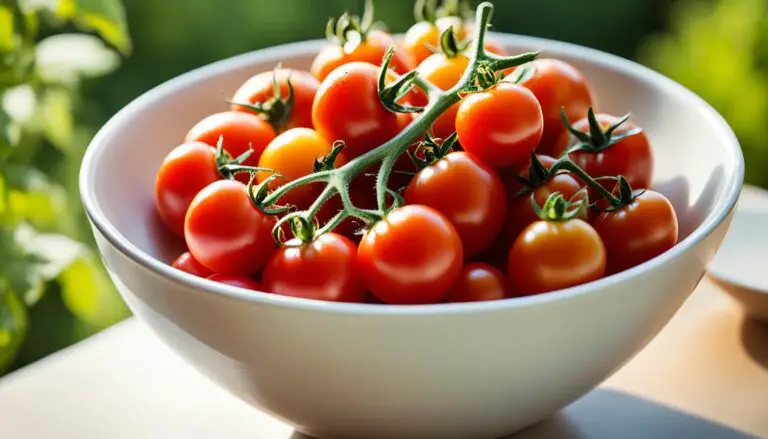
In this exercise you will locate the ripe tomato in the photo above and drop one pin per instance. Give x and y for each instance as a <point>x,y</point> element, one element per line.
<point>226,232</point>
<point>323,269</point>
<point>631,157</point>
<point>444,72</point>
<point>241,132</point>
<point>420,40</point>
<point>236,281</point>
<point>558,85</point>
<point>501,126</point>
<point>260,89</point>
<point>186,263</point>
<point>185,171</point>
<point>479,282</point>
<point>347,107</point>
<point>293,154</point>
<point>371,50</point>
<point>637,232</point>
<point>412,256</point>
<point>468,192</point>
<point>552,255</point>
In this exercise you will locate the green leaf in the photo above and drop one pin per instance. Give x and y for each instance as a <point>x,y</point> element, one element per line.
<point>105,17</point>
<point>58,123</point>
<point>18,272</point>
<point>13,328</point>
<point>5,130</point>
<point>19,104</point>
<point>65,58</point>
<point>89,294</point>
<point>34,198</point>
<point>7,35</point>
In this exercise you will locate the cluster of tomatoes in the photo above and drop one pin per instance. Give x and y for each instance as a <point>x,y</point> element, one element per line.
<point>517,189</point>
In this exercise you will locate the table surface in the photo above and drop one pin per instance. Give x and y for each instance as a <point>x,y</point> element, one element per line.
<point>704,376</point>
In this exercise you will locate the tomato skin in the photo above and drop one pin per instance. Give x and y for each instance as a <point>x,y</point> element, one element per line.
<point>185,171</point>
<point>236,281</point>
<point>501,126</point>
<point>468,192</point>
<point>186,263</point>
<point>372,50</point>
<point>413,256</point>
<point>444,72</point>
<point>557,84</point>
<point>226,232</point>
<point>638,232</point>
<point>549,256</point>
<point>323,269</point>
<point>479,282</point>
<point>347,107</point>
<point>241,132</point>
<point>293,154</point>
<point>419,38</point>
<point>631,157</point>
<point>259,89</point>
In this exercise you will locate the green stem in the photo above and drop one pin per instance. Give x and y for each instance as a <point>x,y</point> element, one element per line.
<point>566,164</point>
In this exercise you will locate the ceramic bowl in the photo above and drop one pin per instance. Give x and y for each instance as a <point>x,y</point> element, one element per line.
<point>478,370</point>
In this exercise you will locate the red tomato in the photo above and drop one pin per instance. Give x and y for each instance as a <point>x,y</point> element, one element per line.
<point>371,50</point>
<point>501,126</point>
<point>186,170</point>
<point>558,85</point>
<point>479,282</point>
<point>186,263</point>
<point>631,157</point>
<point>413,256</point>
<point>323,269</point>
<point>259,89</point>
<point>241,132</point>
<point>226,232</point>
<point>549,256</point>
<point>236,281</point>
<point>293,154</point>
<point>637,232</point>
<point>468,192</point>
<point>347,107</point>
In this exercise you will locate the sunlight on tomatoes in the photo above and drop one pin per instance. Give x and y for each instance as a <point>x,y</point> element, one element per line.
<point>412,256</point>
<point>371,50</point>
<point>226,232</point>
<point>549,256</point>
<point>186,263</point>
<point>323,269</point>
<point>479,282</point>
<point>444,72</point>
<point>236,281</point>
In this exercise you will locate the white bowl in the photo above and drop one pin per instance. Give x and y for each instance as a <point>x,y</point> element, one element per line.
<point>478,370</point>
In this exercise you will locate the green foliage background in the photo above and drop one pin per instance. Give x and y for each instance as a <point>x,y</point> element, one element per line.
<point>52,105</point>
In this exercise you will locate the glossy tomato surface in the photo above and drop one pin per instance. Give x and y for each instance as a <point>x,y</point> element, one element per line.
<point>371,50</point>
<point>186,263</point>
<point>479,282</point>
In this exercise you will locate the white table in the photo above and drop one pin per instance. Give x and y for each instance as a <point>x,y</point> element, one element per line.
<point>704,376</point>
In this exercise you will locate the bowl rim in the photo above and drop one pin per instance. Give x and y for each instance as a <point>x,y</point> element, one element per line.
<point>553,47</point>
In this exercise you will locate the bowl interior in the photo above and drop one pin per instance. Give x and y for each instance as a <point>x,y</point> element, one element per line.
<point>698,164</point>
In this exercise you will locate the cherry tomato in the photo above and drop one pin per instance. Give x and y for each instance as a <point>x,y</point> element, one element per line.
<point>501,126</point>
<point>479,282</point>
<point>260,89</point>
<point>371,50</point>
<point>637,232</point>
<point>241,132</point>
<point>631,157</point>
<point>558,85</point>
<point>226,232</point>
<point>236,281</point>
<point>293,154</point>
<point>412,256</point>
<point>323,269</point>
<point>420,40</point>
<point>468,192</point>
<point>185,171</point>
<point>444,72</point>
<point>552,255</point>
<point>186,263</point>
<point>347,107</point>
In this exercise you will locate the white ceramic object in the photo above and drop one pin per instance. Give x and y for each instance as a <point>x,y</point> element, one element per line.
<point>740,265</point>
<point>478,370</point>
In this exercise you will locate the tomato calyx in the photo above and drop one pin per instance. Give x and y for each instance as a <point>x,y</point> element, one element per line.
<point>229,167</point>
<point>557,208</point>
<point>276,110</point>
<point>428,11</point>
<point>433,150</point>
<point>598,139</point>
<point>538,175</point>
<point>328,162</point>
<point>449,44</point>
<point>392,94</point>
<point>349,31</point>
<point>626,196</point>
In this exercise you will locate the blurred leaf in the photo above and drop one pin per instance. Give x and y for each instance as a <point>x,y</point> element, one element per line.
<point>90,295</point>
<point>34,198</point>
<point>7,36</point>
<point>19,104</point>
<point>106,17</point>
<point>66,58</point>
<point>57,118</point>
<point>13,328</point>
<point>5,129</point>
<point>17,272</point>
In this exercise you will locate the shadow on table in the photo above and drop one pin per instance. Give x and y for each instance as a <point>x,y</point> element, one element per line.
<point>609,414</point>
<point>754,337</point>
